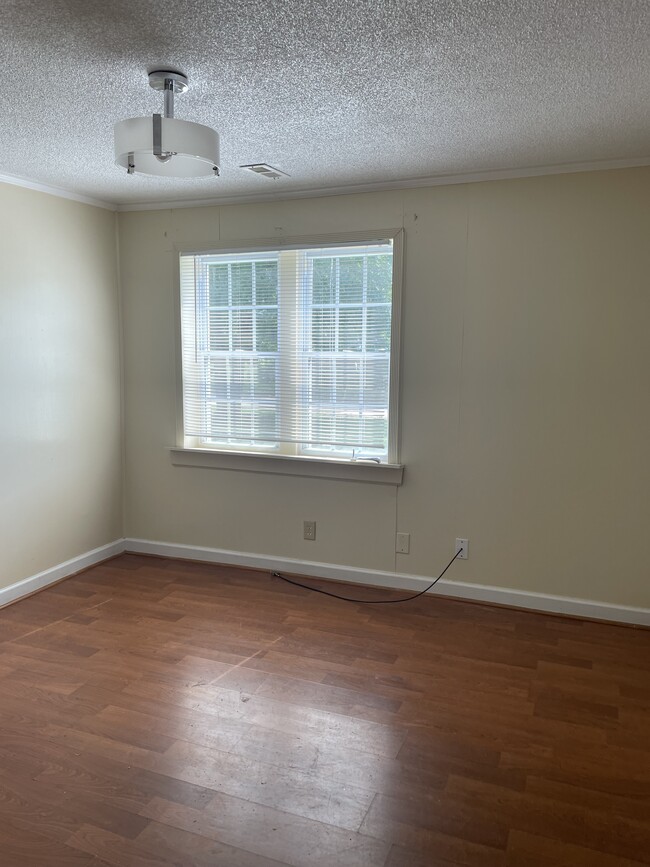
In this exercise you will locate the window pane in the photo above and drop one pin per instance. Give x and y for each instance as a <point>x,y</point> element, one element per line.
<point>380,278</point>
<point>322,330</point>
<point>378,329</point>
<point>324,280</point>
<point>265,376</point>
<point>242,283</point>
<point>266,330</point>
<point>241,420</point>
<point>351,280</point>
<point>219,419</point>
<point>322,426</point>
<point>218,379</point>
<point>266,282</point>
<point>348,381</point>
<point>242,329</point>
<point>376,429</point>
<point>375,381</point>
<point>321,380</point>
<point>218,331</point>
<point>265,422</point>
<point>218,283</point>
<point>241,378</point>
<point>350,329</point>
<point>348,427</point>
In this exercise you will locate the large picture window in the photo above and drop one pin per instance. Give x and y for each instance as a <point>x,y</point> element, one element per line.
<point>291,351</point>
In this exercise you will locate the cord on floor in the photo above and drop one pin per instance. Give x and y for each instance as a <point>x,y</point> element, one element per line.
<point>368,601</point>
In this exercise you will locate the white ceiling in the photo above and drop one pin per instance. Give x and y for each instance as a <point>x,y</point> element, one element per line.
<point>336,93</point>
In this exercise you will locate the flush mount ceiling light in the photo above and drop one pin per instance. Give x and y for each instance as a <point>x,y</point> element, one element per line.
<point>164,145</point>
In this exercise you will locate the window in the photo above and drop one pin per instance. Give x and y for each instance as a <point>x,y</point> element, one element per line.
<point>292,351</point>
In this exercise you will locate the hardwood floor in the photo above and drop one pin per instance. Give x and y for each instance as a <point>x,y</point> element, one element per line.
<point>158,712</point>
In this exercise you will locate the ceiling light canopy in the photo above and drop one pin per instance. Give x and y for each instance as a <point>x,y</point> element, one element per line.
<point>164,145</point>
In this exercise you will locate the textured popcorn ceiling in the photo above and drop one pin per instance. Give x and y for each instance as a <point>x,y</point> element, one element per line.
<point>334,93</point>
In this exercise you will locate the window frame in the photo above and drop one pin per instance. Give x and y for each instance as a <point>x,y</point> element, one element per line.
<point>266,245</point>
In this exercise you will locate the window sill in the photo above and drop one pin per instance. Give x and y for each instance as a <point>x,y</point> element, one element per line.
<point>287,465</point>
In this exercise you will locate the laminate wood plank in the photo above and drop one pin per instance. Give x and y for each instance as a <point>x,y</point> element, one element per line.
<point>323,757</point>
<point>193,850</point>
<point>114,849</point>
<point>532,850</point>
<point>29,806</point>
<point>300,791</point>
<point>255,764</point>
<point>607,652</point>
<point>222,706</point>
<point>287,664</point>
<point>508,732</point>
<point>66,646</point>
<point>331,698</point>
<point>619,805</point>
<point>11,630</point>
<point>27,692</point>
<point>575,683</point>
<point>438,816</point>
<point>18,849</point>
<point>145,768</point>
<point>65,682</point>
<point>552,704</point>
<point>170,788</point>
<point>6,669</point>
<point>272,833</point>
<point>399,856</point>
<point>199,729</point>
<point>603,832</point>
<point>611,770</point>
<point>263,622</point>
<point>323,645</point>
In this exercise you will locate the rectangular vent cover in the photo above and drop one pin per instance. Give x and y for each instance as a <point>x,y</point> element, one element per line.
<point>266,171</point>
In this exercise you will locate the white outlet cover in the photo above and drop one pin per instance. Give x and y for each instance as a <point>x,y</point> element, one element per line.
<point>403,543</point>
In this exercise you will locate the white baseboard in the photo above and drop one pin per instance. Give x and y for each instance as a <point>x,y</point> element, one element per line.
<point>455,589</point>
<point>394,580</point>
<point>50,576</point>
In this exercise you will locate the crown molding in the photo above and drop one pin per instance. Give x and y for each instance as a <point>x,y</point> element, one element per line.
<point>60,192</point>
<point>320,192</point>
<point>383,186</point>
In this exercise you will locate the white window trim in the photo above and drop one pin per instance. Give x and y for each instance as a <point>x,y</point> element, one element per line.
<point>289,465</point>
<point>186,451</point>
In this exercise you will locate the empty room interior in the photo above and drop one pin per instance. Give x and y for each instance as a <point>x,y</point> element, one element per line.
<point>324,425</point>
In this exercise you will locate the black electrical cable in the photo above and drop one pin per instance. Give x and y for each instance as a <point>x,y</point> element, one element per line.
<point>368,601</point>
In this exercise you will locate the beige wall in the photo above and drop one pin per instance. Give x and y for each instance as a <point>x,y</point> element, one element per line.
<point>60,452</point>
<point>525,411</point>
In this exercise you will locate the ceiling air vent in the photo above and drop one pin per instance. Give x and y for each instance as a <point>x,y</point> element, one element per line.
<point>265,171</point>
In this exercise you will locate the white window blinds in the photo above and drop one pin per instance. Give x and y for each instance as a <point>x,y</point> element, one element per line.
<point>289,351</point>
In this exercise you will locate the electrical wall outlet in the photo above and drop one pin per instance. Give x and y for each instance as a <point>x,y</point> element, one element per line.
<point>403,543</point>
<point>309,530</point>
<point>462,545</point>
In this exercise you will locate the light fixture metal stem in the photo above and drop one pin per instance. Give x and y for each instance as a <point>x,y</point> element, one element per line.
<point>157,136</point>
<point>169,97</point>
<point>160,155</point>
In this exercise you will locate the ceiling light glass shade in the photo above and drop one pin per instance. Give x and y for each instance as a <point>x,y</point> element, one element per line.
<point>194,148</point>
